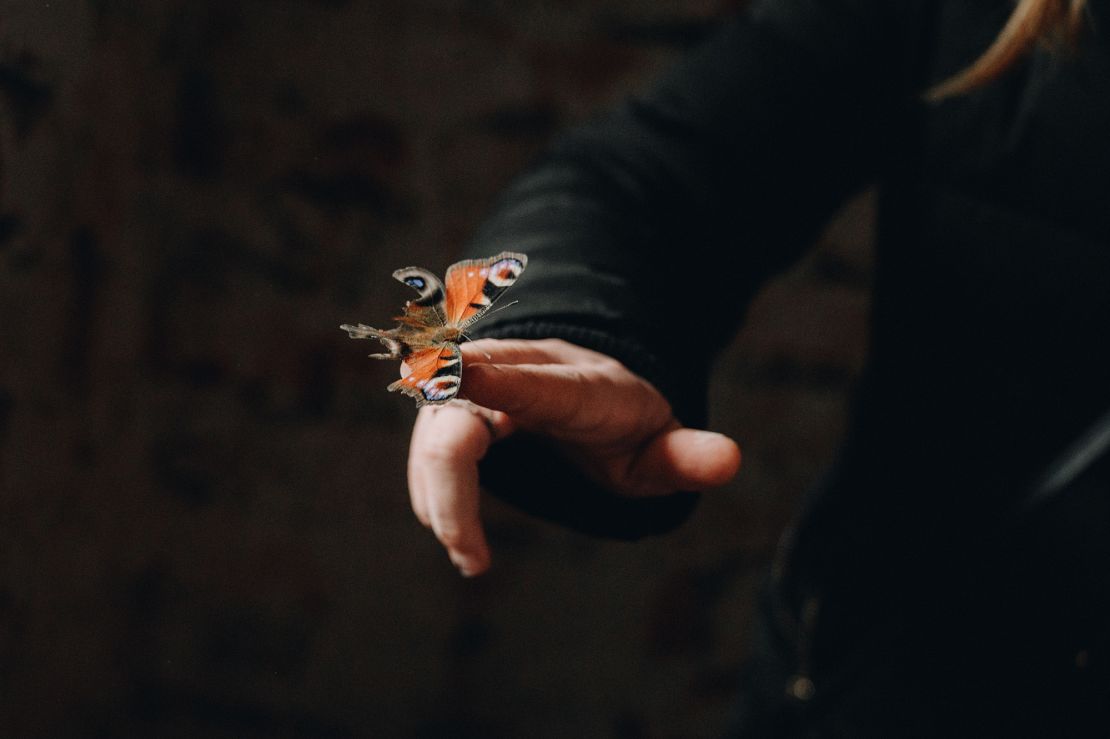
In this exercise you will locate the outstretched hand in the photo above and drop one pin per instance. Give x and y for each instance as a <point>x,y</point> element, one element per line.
<point>610,422</point>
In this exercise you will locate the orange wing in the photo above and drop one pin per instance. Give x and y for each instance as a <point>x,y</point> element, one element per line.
<point>434,375</point>
<point>473,285</point>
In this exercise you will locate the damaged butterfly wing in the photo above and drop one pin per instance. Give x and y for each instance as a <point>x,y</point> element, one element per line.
<point>397,349</point>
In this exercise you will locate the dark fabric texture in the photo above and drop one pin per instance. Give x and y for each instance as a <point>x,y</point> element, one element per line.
<point>649,229</point>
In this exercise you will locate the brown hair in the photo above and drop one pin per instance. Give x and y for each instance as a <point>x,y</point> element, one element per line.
<point>1055,22</point>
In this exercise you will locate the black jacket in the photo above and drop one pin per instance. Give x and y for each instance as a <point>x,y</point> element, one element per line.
<point>649,229</point>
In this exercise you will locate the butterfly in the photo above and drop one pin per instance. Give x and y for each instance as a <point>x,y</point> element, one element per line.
<point>427,336</point>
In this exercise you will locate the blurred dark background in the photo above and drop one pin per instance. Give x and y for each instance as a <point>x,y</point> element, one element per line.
<point>204,530</point>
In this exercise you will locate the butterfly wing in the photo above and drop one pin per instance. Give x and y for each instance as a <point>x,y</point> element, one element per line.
<point>468,291</point>
<point>435,375</point>
<point>474,284</point>
<point>424,282</point>
<point>427,309</point>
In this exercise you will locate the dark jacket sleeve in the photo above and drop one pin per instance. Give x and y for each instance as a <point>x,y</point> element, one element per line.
<point>649,229</point>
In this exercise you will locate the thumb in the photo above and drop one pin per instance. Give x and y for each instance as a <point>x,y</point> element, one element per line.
<point>686,459</point>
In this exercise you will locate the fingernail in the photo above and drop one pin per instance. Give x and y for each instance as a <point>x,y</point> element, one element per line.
<point>463,565</point>
<point>707,437</point>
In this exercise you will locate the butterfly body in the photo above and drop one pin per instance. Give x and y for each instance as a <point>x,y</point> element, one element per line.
<point>426,338</point>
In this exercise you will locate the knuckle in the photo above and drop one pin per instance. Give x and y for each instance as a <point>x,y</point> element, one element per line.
<point>553,343</point>
<point>524,405</point>
<point>608,364</point>
<point>575,404</point>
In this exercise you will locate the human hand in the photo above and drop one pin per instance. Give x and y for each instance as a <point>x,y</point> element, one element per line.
<point>610,422</point>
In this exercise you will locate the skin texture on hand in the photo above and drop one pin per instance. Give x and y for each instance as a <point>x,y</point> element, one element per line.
<point>612,423</point>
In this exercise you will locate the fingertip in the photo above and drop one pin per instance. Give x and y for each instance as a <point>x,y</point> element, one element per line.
<point>728,458</point>
<point>703,459</point>
<point>470,565</point>
<point>468,549</point>
<point>473,558</point>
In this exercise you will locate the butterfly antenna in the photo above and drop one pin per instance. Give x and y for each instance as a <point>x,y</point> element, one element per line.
<point>490,313</point>
<point>502,307</point>
<point>470,338</point>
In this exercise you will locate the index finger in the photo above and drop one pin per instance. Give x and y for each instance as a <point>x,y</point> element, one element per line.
<point>447,442</point>
<point>603,402</point>
<point>528,351</point>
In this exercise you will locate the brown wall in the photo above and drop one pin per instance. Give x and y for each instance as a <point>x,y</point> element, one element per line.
<point>203,523</point>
